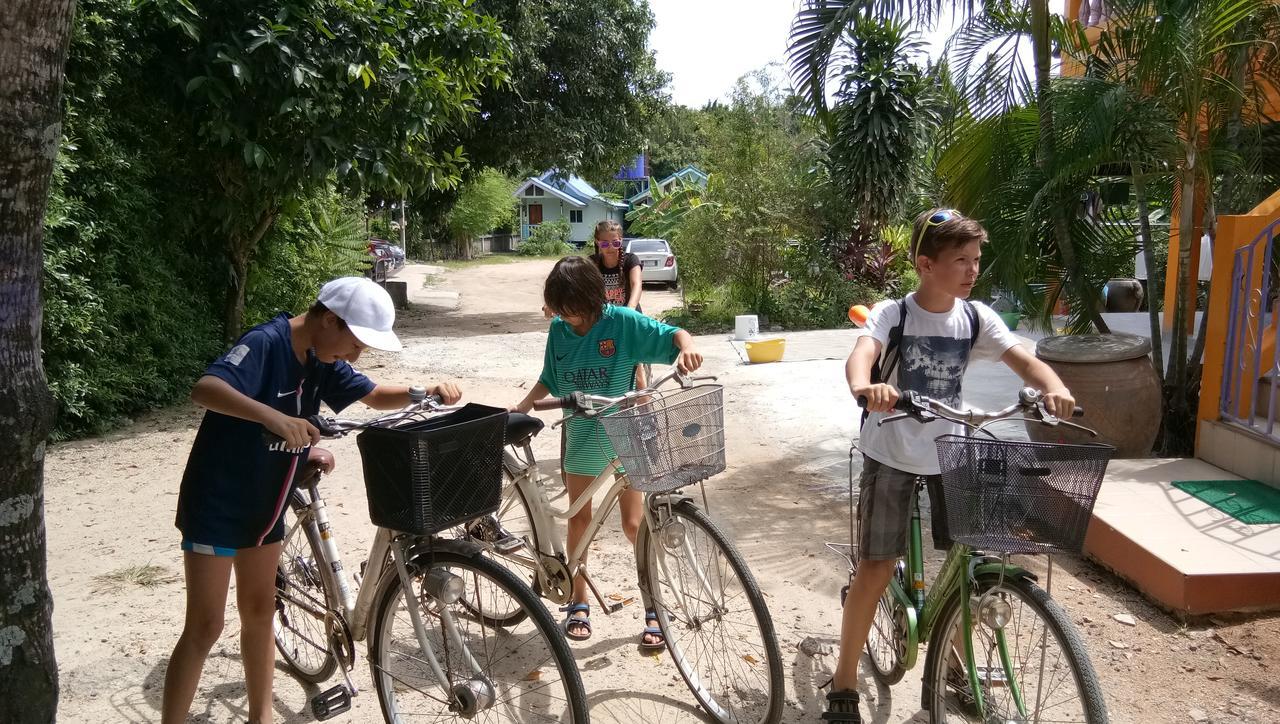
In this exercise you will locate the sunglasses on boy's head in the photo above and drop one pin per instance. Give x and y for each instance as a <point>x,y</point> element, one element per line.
<point>937,218</point>
<point>609,244</point>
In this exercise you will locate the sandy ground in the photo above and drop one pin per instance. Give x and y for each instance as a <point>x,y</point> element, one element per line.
<point>111,500</point>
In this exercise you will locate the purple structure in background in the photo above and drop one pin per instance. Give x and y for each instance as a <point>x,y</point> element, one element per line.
<point>637,170</point>
<point>1248,387</point>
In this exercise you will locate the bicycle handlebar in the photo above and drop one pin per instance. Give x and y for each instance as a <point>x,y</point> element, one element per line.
<point>924,409</point>
<point>331,427</point>
<point>584,404</point>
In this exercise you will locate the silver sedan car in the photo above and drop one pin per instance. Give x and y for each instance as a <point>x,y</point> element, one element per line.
<point>657,260</point>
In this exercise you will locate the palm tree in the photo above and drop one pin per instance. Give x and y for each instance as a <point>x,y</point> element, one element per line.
<point>1205,65</point>
<point>815,40</point>
<point>874,134</point>
<point>33,50</point>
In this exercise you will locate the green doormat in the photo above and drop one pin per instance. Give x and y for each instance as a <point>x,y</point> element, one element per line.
<point>1248,501</point>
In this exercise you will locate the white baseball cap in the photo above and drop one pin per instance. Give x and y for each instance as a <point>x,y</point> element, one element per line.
<point>365,307</point>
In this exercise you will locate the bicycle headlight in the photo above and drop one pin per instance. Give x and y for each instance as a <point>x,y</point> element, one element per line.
<point>993,611</point>
<point>443,586</point>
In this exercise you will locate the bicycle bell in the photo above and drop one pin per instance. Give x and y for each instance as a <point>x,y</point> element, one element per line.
<point>417,393</point>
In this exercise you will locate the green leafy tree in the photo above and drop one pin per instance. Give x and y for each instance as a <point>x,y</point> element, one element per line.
<point>485,203</point>
<point>996,83</point>
<point>282,95</point>
<point>582,88</point>
<point>675,139</point>
<point>320,238</point>
<point>875,133</point>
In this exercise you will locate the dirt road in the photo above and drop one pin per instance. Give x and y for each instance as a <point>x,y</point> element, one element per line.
<point>115,566</point>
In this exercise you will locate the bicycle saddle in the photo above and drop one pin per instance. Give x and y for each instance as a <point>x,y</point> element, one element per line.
<point>521,428</point>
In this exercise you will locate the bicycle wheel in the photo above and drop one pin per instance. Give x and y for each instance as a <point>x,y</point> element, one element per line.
<point>502,536</point>
<point>302,585</point>
<point>524,672</point>
<point>714,618</point>
<point>886,645</point>
<point>1047,658</point>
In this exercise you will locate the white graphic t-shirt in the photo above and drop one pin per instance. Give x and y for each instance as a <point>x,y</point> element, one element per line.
<point>934,354</point>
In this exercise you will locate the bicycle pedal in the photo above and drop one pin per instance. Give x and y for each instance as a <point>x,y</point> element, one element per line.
<point>330,703</point>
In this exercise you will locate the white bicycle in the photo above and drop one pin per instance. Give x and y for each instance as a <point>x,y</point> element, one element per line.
<point>431,654</point>
<point>708,605</point>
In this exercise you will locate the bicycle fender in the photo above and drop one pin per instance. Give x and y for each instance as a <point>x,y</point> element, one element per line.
<point>993,567</point>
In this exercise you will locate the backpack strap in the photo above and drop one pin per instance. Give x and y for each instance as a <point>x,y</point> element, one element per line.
<point>887,362</point>
<point>975,324</point>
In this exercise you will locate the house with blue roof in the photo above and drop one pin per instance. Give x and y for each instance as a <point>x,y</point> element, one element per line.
<point>690,174</point>
<point>555,195</point>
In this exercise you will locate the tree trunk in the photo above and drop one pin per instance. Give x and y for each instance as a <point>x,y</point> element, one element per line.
<point>240,248</point>
<point>1153,274</point>
<point>33,48</point>
<point>1040,42</point>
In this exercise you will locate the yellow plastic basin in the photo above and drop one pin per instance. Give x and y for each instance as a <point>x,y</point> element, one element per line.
<point>765,350</point>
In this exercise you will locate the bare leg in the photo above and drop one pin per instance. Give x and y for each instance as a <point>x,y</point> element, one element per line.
<point>207,580</point>
<point>632,506</point>
<point>255,599</point>
<point>859,611</point>
<point>577,485</point>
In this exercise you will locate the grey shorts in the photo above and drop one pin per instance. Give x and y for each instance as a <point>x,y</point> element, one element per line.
<point>884,511</point>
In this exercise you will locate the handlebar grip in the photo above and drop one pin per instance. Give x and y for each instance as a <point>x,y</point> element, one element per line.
<point>554,403</point>
<point>275,442</point>
<point>902,405</point>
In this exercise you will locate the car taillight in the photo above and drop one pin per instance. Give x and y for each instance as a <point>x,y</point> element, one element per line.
<point>671,261</point>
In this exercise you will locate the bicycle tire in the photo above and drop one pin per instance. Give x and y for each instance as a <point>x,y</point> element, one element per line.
<point>305,572</point>
<point>885,647</point>
<point>513,664</point>
<point>727,700</point>
<point>513,515</point>
<point>947,695</point>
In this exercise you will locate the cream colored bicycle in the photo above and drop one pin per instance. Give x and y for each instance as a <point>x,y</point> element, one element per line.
<point>708,605</point>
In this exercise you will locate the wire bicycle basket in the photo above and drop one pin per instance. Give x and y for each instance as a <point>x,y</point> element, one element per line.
<point>669,440</point>
<point>1020,497</point>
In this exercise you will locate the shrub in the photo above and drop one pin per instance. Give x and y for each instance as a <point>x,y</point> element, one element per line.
<point>551,238</point>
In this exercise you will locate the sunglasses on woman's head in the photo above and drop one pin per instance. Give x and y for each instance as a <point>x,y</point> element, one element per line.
<point>609,244</point>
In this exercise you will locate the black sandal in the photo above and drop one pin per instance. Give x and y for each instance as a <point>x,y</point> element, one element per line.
<point>578,623</point>
<point>652,630</point>
<point>842,708</point>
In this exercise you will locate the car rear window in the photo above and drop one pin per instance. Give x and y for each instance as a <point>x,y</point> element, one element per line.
<point>640,246</point>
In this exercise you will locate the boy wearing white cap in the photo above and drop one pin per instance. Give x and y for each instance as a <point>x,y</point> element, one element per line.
<point>234,490</point>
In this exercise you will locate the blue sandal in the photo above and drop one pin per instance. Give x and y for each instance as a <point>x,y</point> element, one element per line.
<point>651,629</point>
<point>571,620</point>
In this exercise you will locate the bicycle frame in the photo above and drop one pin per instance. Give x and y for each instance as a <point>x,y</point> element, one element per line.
<point>353,610</point>
<point>923,605</point>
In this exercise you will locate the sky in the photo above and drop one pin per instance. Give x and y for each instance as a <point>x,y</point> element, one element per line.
<point>706,45</point>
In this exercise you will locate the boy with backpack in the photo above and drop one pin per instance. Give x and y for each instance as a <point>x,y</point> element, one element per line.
<point>922,343</point>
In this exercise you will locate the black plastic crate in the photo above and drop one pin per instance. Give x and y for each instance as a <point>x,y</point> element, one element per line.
<point>425,476</point>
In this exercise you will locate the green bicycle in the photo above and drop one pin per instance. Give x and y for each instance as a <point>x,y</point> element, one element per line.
<point>1000,649</point>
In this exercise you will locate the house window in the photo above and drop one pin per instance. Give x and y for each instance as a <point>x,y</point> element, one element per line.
<point>534,191</point>
<point>575,216</point>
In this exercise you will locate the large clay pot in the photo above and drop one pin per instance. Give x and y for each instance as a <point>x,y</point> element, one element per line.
<point>1112,378</point>
<point>1124,295</point>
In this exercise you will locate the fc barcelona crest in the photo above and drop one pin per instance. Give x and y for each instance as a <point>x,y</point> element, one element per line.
<point>607,348</point>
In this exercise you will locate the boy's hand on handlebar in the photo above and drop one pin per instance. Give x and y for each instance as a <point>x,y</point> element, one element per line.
<point>880,398</point>
<point>296,432</point>
<point>689,360</point>
<point>1061,404</point>
<point>448,392</point>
